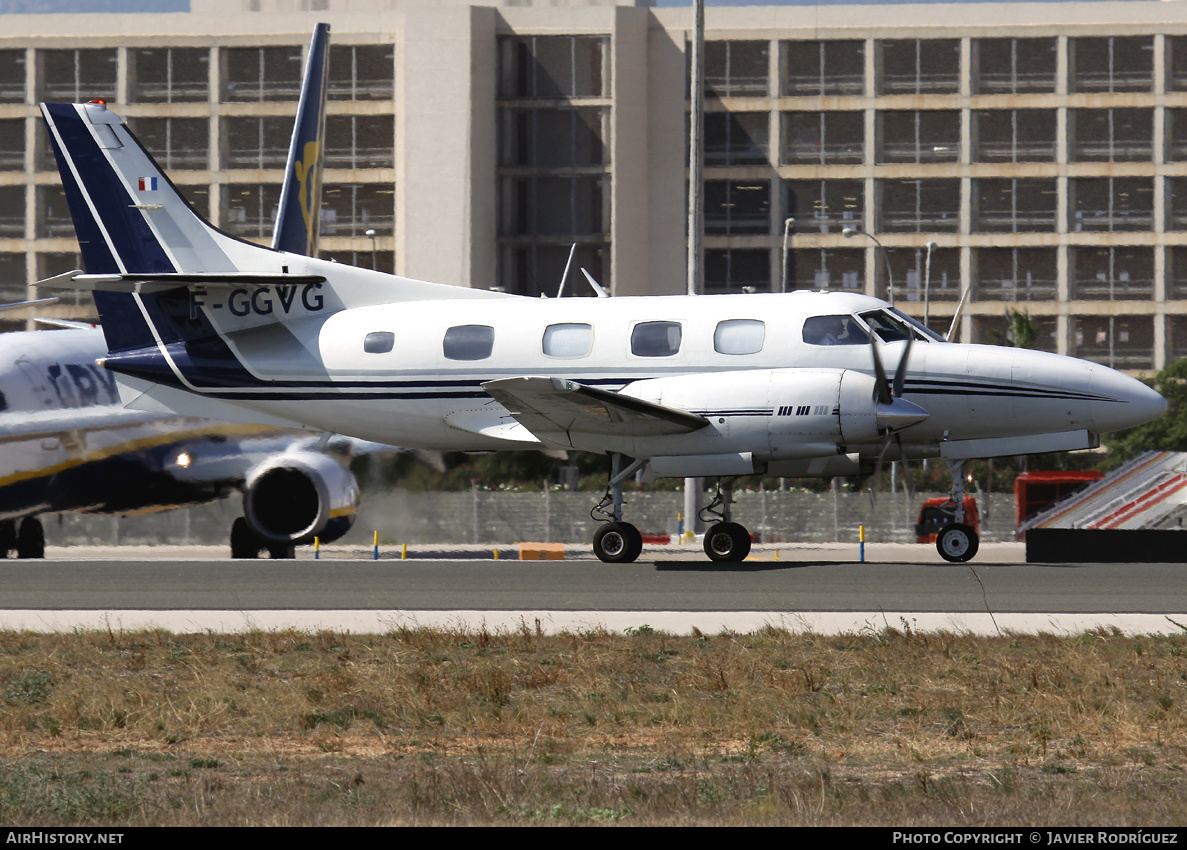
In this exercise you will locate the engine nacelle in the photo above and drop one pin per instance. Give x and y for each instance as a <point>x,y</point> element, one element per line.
<point>295,497</point>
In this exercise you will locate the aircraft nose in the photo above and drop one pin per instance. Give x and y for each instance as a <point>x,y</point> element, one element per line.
<point>1123,402</point>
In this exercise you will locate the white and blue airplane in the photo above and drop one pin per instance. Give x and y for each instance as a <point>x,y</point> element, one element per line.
<point>67,444</point>
<point>198,322</point>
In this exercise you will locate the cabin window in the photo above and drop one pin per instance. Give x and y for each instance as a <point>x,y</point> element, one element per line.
<point>469,342</point>
<point>739,336</point>
<point>655,339</point>
<point>568,340</point>
<point>379,342</point>
<point>834,330</point>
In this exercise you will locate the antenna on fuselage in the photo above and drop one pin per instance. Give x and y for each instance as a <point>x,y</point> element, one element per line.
<point>565,276</point>
<point>597,287</point>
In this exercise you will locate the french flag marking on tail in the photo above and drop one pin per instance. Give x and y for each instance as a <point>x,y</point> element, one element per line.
<point>148,184</point>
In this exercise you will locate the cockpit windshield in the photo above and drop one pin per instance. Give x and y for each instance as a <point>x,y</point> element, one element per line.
<point>891,325</point>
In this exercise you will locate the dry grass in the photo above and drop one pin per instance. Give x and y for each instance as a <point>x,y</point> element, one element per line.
<point>437,726</point>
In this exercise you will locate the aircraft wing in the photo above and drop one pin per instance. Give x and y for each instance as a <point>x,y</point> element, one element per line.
<point>552,405</point>
<point>23,425</point>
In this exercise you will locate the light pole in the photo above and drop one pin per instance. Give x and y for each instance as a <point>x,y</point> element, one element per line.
<point>931,246</point>
<point>788,224</point>
<point>371,234</point>
<point>849,233</point>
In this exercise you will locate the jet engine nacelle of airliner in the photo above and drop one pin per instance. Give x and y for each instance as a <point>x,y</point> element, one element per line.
<point>294,497</point>
<point>762,417</point>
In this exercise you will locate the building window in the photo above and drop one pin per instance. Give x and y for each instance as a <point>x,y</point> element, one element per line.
<point>553,67</point>
<point>12,144</point>
<point>737,270</point>
<point>823,138</point>
<point>919,66</point>
<point>12,212</point>
<point>1176,273</point>
<point>1111,274</point>
<point>361,72</point>
<point>565,137</point>
<point>168,75</point>
<point>919,206</point>
<point>249,210</point>
<point>827,269</point>
<point>554,205</point>
<point>1015,274</point>
<point>78,76</point>
<point>1176,63</point>
<point>823,68</point>
<point>824,206</point>
<point>1111,203</point>
<point>12,277</point>
<point>12,76</point>
<point>1013,135</point>
<point>1014,204</point>
<point>1111,63</point>
<point>261,74</point>
<point>1175,128</point>
<point>736,138</point>
<point>360,141</point>
<point>1111,135</point>
<point>737,206</point>
<point>197,195</point>
<point>1176,338</point>
<point>1013,65</point>
<point>737,68</point>
<point>175,143</point>
<point>1120,342</point>
<point>53,213</point>
<point>918,136</point>
<point>534,269</point>
<point>256,142</point>
<point>351,209</point>
<point>914,281</point>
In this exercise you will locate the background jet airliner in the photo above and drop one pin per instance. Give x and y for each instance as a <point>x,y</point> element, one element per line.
<point>197,321</point>
<point>68,444</point>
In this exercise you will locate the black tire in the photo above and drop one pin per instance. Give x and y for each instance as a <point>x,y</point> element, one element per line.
<point>617,543</point>
<point>957,543</point>
<point>727,541</point>
<point>30,540</point>
<point>244,543</point>
<point>281,551</point>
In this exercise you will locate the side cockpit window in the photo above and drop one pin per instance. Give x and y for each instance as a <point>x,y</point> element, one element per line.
<point>655,339</point>
<point>834,330</point>
<point>469,342</point>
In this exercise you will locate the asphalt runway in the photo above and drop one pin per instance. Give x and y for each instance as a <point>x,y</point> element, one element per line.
<point>678,594</point>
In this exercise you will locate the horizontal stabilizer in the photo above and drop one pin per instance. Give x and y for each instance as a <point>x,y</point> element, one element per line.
<point>166,282</point>
<point>551,405</point>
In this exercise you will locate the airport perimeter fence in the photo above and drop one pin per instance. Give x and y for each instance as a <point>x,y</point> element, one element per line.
<point>546,516</point>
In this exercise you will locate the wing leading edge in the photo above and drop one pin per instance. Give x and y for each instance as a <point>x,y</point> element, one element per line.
<point>549,407</point>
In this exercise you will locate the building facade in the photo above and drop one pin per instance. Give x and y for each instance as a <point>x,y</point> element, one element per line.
<point>1028,157</point>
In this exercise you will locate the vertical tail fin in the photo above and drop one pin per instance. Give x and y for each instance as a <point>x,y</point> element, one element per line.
<point>297,223</point>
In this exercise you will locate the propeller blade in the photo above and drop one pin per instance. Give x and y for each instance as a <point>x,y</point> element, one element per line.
<point>881,385</point>
<point>900,374</point>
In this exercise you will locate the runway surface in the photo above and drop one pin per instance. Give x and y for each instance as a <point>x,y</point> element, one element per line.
<point>826,593</point>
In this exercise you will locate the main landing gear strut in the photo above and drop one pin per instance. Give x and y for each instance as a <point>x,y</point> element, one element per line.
<point>725,540</point>
<point>618,542</point>
<point>957,542</point>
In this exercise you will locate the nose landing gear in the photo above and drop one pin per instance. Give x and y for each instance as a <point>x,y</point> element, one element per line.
<point>957,542</point>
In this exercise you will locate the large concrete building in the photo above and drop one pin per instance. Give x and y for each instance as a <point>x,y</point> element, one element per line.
<point>1032,153</point>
